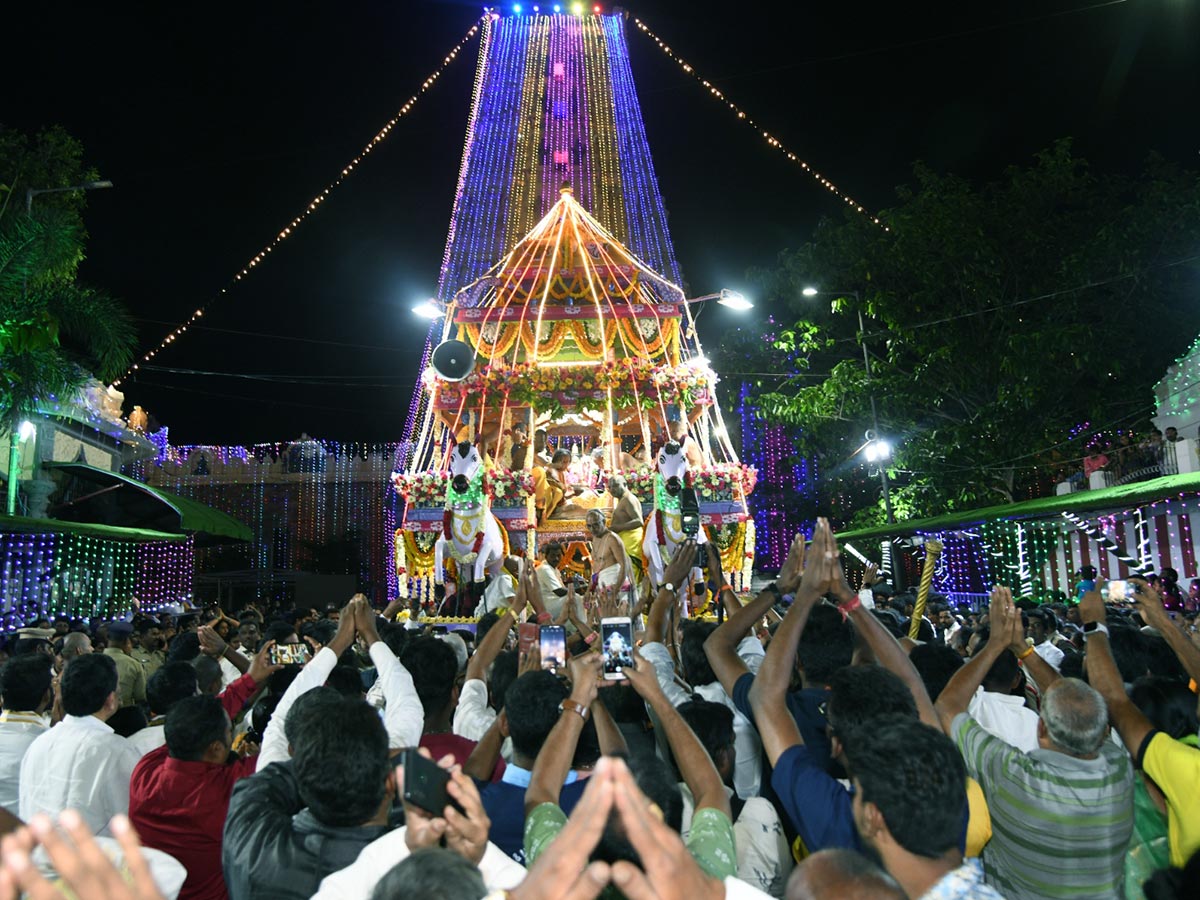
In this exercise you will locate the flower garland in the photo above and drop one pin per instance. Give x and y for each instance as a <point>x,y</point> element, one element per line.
<point>508,487</point>
<point>548,387</point>
<point>711,482</point>
<point>420,488</point>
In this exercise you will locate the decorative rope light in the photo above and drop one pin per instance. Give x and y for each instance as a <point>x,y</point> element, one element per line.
<point>771,140</point>
<point>315,203</point>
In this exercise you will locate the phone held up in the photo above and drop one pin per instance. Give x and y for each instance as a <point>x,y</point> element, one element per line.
<point>616,635</point>
<point>290,654</point>
<point>553,645</point>
<point>425,784</point>
<point>1117,590</point>
<point>527,636</point>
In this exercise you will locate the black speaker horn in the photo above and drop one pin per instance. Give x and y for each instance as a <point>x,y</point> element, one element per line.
<point>453,360</point>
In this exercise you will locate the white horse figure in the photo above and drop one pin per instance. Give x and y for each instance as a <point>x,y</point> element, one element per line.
<point>664,528</point>
<point>470,533</point>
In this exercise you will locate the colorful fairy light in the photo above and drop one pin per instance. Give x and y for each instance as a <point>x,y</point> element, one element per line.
<point>294,496</point>
<point>772,141</point>
<point>319,198</point>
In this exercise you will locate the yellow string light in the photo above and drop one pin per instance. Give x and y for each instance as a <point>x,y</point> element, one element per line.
<point>320,198</point>
<point>771,140</point>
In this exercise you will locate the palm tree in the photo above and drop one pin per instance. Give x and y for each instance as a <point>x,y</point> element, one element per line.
<point>54,332</point>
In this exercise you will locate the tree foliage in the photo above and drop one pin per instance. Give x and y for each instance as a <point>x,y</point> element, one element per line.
<point>54,332</point>
<point>1000,318</point>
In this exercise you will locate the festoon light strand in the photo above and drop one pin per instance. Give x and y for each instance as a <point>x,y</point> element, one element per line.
<point>315,203</point>
<point>767,136</point>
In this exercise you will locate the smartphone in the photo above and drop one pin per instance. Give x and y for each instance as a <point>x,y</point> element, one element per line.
<point>553,644</point>
<point>425,783</point>
<point>290,654</point>
<point>616,637</point>
<point>689,512</point>
<point>1117,590</point>
<point>527,636</point>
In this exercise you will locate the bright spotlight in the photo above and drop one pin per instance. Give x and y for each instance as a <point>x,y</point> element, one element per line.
<point>885,449</point>
<point>26,430</point>
<point>735,301</point>
<point>871,452</point>
<point>430,309</point>
<point>517,9</point>
<point>810,291</point>
<point>557,8</point>
<point>577,9</point>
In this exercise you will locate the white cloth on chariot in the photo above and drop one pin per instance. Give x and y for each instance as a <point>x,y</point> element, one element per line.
<point>498,593</point>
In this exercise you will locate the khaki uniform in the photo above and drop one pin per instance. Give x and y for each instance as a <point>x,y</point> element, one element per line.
<point>151,661</point>
<point>131,677</point>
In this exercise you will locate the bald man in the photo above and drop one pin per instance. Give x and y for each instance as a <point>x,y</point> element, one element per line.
<point>841,875</point>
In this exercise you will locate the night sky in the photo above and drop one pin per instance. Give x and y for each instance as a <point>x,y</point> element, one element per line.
<point>219,122</point>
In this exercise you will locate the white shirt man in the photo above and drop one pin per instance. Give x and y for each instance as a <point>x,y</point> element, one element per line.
<point>27,693</point>
<point>1051,654</point>
<point>18,729</point>
<point>1007,717</point>
<point>81,764</point>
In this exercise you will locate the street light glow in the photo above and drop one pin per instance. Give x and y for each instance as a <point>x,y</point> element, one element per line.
<point>26,431</point>
<point>810,291</point>
<point>735,300</point>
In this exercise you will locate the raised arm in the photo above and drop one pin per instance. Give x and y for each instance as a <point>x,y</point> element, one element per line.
<point>1005,630</point>
<point>212,644</point>
<point>1105,677</point>
<point>608,733</point>
<point>489,648</point>
<point>721,646</point>
<point>274,744</point>
<point>1150,605</point>
<point>403,715</point>
<point>554,759</point>
<point>768,694</point>
<point>695,765</point>
<point>887,650</point>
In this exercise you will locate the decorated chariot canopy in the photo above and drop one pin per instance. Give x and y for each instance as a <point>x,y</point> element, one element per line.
<point>575,336</point>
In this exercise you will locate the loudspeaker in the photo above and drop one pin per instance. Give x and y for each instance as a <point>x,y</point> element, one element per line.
<point>453,360</point>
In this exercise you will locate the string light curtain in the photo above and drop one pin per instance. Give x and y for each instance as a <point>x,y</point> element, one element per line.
<point>85,576</point>
<point>783,478</point>
<point>310,503</point>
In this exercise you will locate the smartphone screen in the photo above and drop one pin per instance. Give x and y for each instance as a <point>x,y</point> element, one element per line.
<point>553,640</point>
<point>290,654</point>
<point>616,635</point>
<point>1117,590</point>
<point>527,636</point>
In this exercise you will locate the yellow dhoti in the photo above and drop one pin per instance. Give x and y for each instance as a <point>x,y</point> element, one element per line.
<point>632,540</point>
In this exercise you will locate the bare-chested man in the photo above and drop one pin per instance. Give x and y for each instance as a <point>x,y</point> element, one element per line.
<point>610,564</point>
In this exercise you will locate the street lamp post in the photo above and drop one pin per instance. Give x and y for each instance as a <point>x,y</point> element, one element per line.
<point>862,338</point>
<point>30,193</point>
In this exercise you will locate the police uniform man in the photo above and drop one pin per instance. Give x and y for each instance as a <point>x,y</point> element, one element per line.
<point>131,676</point>
<point>149,651</point>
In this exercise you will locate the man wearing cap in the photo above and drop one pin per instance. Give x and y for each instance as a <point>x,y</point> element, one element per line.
<point>131,675</point>
<point>33,640</point>
<point>149,651</point>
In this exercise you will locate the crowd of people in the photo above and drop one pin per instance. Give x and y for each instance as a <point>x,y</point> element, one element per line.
<point>802,747</point>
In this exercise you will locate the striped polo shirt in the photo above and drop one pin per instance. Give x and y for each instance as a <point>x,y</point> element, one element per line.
<point>1060,825</point>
